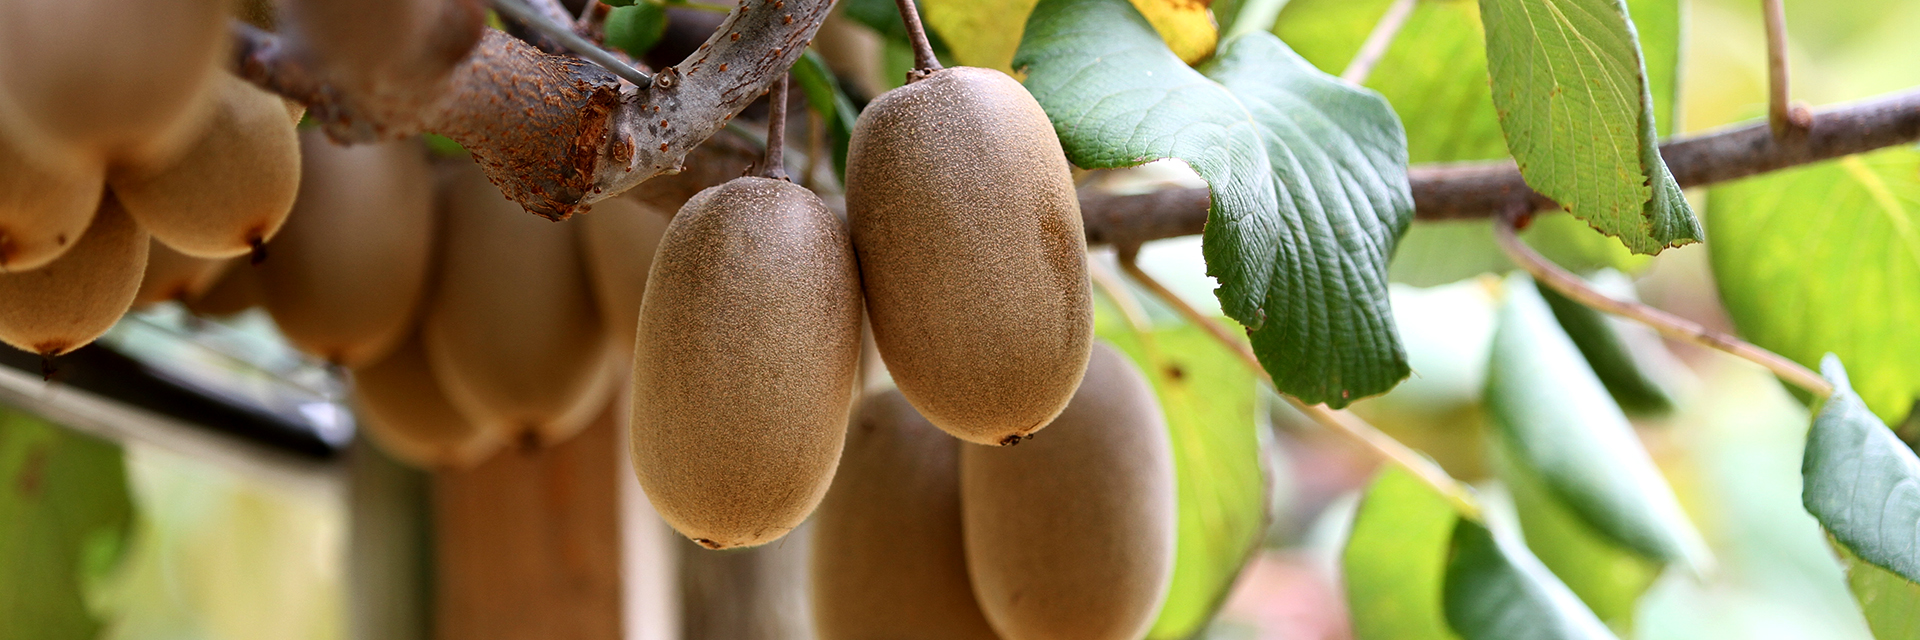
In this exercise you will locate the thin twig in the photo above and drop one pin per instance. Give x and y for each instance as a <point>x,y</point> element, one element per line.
<point>1785,118</point>
<point>564,35</point>
<point>1377,42</point>
<point>1345,423</point>
<point>1667,324</point>
<point>924,62</point>
<point>773,163</point>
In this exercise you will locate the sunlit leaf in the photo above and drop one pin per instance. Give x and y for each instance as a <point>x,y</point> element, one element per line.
<point>1308,178</point>
<point>1395,561</point>
<point>1496,590</point>
<point>1826,258</point>
<point>64,518</point>
<point>1209,398</point>
<point>1572,94</point>
<point>1559,424</point>
<point>1890,603</point>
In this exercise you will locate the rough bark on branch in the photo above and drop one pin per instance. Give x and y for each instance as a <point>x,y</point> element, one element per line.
<point>554,132</point>
<point>1482,189</point>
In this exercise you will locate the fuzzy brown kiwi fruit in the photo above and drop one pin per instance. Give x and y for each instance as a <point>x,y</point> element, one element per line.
<point>888,561</point>
<point>744,369</point>
<point>619,238</point>
<point>402,406</point>
<point>511,327</point>
<point>345,275</point>
<point>43,210</point>
<point>77,297</point>
<point>231,191</point>
<point>172,275</point>
<point>109,79</point>
<point>1070,535</point>
<point>237,289</point>
<point>963,211</point>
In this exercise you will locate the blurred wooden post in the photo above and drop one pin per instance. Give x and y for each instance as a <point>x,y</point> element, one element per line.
<point>527,545</point>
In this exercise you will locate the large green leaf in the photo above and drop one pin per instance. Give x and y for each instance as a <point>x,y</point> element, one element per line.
<point>1890,603</point>
<point>1435,75</point>
<point>1395,561</point>
<point>64,518</point>
<point>1557,420</point>
<point>1308,177</point>
<point>1826,258</point>
<point>1496,590</point>
<point>1571,90</point>
<point>1607,344</point>
<point>1209,398</point>
<point>1861,482</point>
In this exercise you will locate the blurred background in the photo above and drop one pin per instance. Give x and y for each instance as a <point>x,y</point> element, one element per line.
<point>198,479</point>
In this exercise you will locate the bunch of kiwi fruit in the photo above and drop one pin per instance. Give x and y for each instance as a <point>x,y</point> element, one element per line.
<point>736,323</point>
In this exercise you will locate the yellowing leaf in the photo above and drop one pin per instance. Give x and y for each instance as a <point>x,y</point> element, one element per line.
<point>979,33</point>
<point>985,33</point>
<point>1185,24</point>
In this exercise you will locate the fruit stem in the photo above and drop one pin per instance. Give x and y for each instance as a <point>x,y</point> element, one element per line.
<point>1345,423</point>
<point>773,163</point>
<point>1669,325</point>
<point>924,62</point>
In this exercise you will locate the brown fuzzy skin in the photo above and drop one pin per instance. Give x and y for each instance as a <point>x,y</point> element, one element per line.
<point>1070,536</point>
<point>347,272</point>
<point>512,329</point>
<point>232,188</point>
<point>964,214</point>
<point>744,370</point>
<point>109,80</point>
<point>74,299</point>
<point>43,211</point>
<point>235,291</point>
<point>175,276</point>
<point>619,238</point>
<point>888,561</point>
<point>402,406</point>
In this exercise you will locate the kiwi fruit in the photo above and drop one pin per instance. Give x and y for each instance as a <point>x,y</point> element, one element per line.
<point>744,369</point>
<point>231,190</point>
<point>971,249</point>
<point>237,289</point>
<point>401,405</point>
<point>109,79</point>
<point>1070,535</point>
<point>619,237</point>
<point>175,276</point>
<point>511,327</point>
<point>73,300</point>
<point>345,275</point>
<point>888,561</point>
<point>43,211</point>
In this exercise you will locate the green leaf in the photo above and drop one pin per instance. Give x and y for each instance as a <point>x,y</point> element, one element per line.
<point>1556,418</point>
<point>827,99</point>
<point>1606,576</point>
<point>1435,75</point>
<point>1826,258</point>
<point>1396,560</point>
<point>1604,341</point>
<point>1572,93</point>
<point>1861,482</point>
<point>637,27</point>
<point>1209,398</point>
<point>1308,177</point>
<point>1890,603</point>
<point>1496,590</point>
<point>64,518</point>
